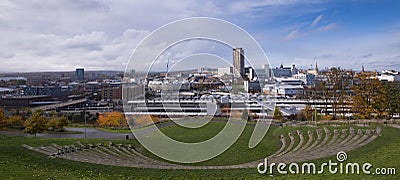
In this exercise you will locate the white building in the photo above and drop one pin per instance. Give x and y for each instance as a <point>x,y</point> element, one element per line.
<point>269,89</point>
<point>307,78</point>
<point>225,71</point>
<point>388,78</point>
<point>204,69</point>
<point>290,90</point>
<point>155,85</point>
<point>288,81</point>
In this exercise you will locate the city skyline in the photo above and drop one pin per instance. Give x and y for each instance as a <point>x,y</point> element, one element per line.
<point>101,35</point>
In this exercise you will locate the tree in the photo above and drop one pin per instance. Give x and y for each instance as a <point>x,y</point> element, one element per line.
<point>113,119</point>
<point>15,122</point>
<point>62,122</point>
<point>277,114</point>
<point>92,118</point>
<point>3,120</point>
<point>392,90</point>
<point>36,123</point>
<point>57,123</point>
<point>77,118</point>
<point>25,113</point>
<point>335,90</point>
<point>369,98</point>
<point>301,116</point>
<point>52,114</point>
<point>145,120</point>
<point>308,112</point>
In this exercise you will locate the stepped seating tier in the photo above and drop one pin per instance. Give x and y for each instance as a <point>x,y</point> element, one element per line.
<point>320,143</point>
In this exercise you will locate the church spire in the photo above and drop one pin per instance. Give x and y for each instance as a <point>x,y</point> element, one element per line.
<point>362,68</point>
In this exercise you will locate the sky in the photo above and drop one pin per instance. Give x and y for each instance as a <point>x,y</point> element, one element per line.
<point>61,35</point>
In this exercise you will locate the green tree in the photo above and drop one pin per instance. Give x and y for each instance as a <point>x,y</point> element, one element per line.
<point>52,114</point>
<point>277,114</point>
<point>77,118</point>
<point>392,90</point>
<point>15,122</point>
<point>57,123</point>
<point>92,118</point>
<point>36,123</point>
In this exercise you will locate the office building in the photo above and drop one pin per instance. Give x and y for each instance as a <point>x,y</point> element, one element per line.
<point>80,74</point>
<point>238,62</point>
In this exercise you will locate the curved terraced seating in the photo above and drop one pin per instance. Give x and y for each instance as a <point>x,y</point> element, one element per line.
<point>300,144</point>
<point>283,145</point>
<point>309,141</point>
<point>347,140</point>
<point>316,142</point>
<point>326,138</point>
<point>290,145</point>
<point>334,137</point>
<point>320,143</point>
<point>119,155</point>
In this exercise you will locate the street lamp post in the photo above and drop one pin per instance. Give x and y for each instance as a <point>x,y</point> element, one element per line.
<point>84,105</point>
<point>84,116</point>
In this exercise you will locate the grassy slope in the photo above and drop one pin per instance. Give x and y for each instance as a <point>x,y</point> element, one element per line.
<point>17,162</point>
<point>238,153</point>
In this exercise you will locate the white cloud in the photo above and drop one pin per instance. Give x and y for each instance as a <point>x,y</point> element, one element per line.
<point>92,41</point>
<point>46,35</point>
<point>316,20</point>
<point>373,51</point>
<point>246,6</point>
<point>328,27</point>
<point>44,52</point>
<point>293,34</point>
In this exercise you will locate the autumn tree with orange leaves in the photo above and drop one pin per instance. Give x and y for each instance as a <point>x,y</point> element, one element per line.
<point>146,120</point>
<point>112,119</point>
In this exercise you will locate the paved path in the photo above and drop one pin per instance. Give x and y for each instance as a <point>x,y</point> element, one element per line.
<point>394,125</point>
<point>90,133</point>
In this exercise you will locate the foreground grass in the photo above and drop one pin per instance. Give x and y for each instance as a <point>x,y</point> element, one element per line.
<point>238,153</point>
<point>19,163</point>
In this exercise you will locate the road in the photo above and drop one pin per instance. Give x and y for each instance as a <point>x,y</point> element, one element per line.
<point>90,134</point>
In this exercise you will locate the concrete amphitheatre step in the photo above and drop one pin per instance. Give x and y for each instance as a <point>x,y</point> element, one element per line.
<point>347,142</point>
<point>326,138</point>
<point>320,143</point>
<point>300,144</point>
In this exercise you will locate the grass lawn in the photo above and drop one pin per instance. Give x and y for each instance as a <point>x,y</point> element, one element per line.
<point>238,153</point>
<point>114,130</point>
<point>19,163</point>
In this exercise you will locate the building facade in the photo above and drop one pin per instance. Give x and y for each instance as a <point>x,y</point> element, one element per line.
<point>80,74</point>
<point>238,62</point>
